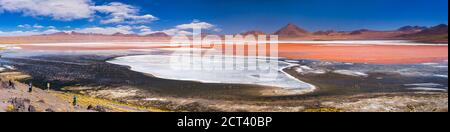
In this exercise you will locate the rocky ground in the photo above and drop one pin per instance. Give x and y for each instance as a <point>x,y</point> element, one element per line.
<point>420,102</point>
<point>15,97</point>
<point>373,102</point>
<point>18,99</point>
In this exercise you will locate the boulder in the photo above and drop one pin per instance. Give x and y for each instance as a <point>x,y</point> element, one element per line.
<point>20,104</point>
<point>98,108</point>
<point>49,110</point>
<point>31,109</point>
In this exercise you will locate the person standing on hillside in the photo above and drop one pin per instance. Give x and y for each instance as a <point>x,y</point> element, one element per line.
<point>75,99</point>
<point>48,87</point>
<point>11,84</point>
<point>30,87</point>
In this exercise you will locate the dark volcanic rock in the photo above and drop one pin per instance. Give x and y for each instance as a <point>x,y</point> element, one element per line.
<point>20,104</point>
<point>98,108</point>
<point>49,110</point>
<point>412,28</point>
<point>31,108</point>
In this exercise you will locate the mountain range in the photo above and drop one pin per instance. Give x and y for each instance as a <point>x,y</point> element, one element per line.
<point>435,34</point>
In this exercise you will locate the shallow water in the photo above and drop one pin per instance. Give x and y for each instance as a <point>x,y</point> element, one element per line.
<point>212,71</point>
<point>363,42</point>
<point>374,78</point>
<point>89,67</point>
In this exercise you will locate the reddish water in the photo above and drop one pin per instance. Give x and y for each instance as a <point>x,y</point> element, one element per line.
<point>373,54</point>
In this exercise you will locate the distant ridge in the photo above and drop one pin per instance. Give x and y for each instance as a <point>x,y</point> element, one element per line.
<point>328,32</point>
<point>441,29</point>
<point>412,28</point>
<point>125,35</point>
<point>253,32</point>
<point>436,34</point>
<point>157,34</point>
<point>359,32</point>
<point>69,33</point>
<point>59,33</point>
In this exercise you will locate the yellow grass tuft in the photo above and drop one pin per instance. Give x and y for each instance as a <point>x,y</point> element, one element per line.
<point>14,76</point>
<point>9,108</point>
<point>323,110</point>
<point>84,101</point>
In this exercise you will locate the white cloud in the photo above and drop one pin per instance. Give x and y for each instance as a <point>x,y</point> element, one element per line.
<point>182,28</point>
<point>24,26</point>
<point>107,30</point>
<point>146,30</point>
<point>51,31</point>
<point>142,27</point>
<point>217,30</point>
<point>90,30</point>
<point>56,9</point>
<point>143,30</point>
<point>116,12</point>
<point>175,31</point>
<point>140,30</point>
<point>35,26</point>
<point>28,33</point>
<point>119,13</point>
<point>38,26</point>
<point>196,24</point>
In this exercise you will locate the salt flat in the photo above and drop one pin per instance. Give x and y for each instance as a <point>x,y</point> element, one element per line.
<point>161,66</point>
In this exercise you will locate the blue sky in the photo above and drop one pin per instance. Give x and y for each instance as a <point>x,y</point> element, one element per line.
<point>226,16</point>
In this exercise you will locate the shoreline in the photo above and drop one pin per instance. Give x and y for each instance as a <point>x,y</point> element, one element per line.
<point>341,103</point>
<point>90,75</point>
<point>97,63</point>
